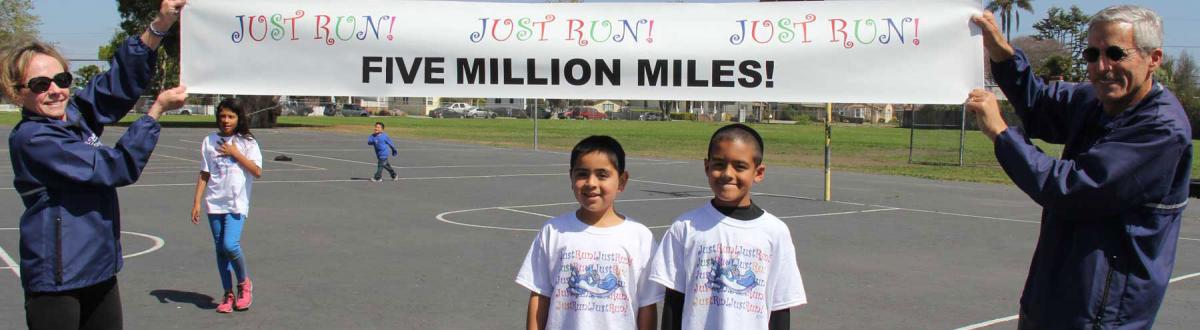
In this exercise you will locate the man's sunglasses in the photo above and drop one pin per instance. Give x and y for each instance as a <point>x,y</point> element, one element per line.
<point>1114,53</point>
<point>40,85</point>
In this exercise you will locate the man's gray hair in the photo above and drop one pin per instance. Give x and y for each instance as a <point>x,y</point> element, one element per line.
<point>1147,26</point>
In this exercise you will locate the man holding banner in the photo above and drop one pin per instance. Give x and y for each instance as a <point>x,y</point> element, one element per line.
<point>1114,201</point>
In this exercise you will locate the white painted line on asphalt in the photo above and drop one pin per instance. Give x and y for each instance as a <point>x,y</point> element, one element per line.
<point>16,268</point>
<point>965,215</point>
<point>1184,277</point>
<point>13,265</point>
<point>177,158</point>
<point>860,204</point>
<point>838,213</point>
<point>1189,239</point>
<point>367,150</point>
<point>158,243</point>
<point>305,166</point>
<point>345,180</point>
<point>266,170</point>
<point>1014,317</point>
<point>514,208</point>
<point>988,323</point>
<point>196,161</point>
<point>526,212</point>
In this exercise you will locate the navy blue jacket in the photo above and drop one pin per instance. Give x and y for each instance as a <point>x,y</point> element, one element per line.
<point>383,145</point>
<point>1112,204</point>
<point>67,179</point>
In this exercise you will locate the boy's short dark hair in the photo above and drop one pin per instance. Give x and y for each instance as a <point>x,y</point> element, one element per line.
<point>600,143</point>
<point>381,125</point>
<point>737,132</point>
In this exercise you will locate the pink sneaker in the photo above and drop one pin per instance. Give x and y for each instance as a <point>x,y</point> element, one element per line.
<point>226,305</point>
<point>245,295</point>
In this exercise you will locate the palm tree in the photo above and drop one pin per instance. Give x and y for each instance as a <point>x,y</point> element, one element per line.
<point>1008,11</point>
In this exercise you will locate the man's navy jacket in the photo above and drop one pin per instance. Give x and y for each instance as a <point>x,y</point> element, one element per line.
<point>67,179</point>
<point>1112,204</point>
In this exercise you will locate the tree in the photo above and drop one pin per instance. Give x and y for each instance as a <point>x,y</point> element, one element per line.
<point>106,52</point>
<point>85,74</point>
<point>1056,66</point>
<point>1040,51</point>
<point>136,15</point>
<point>17,22</point>
<point>1009,10</point>
<point>1180,75</point>
<point>1069,28</point>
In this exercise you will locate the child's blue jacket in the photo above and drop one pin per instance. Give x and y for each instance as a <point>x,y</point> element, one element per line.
<point>383,145</point>
<point>67,178</point>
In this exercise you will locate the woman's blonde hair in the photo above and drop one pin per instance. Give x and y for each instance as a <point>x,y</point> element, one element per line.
<point>16,60</point>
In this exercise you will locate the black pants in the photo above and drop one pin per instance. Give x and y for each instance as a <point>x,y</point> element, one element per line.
<point>94,307</point>
<point>383,164</point>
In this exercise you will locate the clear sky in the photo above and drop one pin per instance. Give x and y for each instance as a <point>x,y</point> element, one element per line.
<point>80,27</point>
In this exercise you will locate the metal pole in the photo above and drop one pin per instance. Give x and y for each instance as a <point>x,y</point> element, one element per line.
<point>828,138</point>
<point>962,135</point>
<point>912,132</point>
<point>536,114</point>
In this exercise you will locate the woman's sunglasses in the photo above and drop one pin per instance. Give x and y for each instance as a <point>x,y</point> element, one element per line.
<point>1114,53</point>
<point>40,85</point>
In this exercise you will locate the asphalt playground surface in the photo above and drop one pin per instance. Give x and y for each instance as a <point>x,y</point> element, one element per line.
<point>439,248</point>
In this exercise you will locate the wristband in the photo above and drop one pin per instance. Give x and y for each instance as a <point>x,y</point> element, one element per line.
<point>155,32</point>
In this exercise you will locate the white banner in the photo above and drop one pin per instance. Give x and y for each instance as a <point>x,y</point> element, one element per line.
<point>846,51</point>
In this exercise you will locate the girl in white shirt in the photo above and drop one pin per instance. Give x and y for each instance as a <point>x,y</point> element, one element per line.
<point>231,162</point>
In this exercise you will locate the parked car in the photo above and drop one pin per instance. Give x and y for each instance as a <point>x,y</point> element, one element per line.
<point>462,108</point>
<point>651,116</point>
<point>185,110</point>
<point>444,112</point>
<point>329,109</point>
<point>584,113</point>
<point>354,110</point>
<point>503,111</point>
<point>479,113</point>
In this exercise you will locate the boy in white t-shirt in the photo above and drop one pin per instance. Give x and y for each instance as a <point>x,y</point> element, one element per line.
<point>587,268</point>
<point>728,264</point>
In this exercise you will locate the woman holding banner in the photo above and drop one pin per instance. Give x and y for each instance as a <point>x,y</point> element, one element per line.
<point>67,178</point>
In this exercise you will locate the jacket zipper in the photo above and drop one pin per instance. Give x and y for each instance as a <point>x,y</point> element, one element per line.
<point>1104,296</point>
<point>58,254</point>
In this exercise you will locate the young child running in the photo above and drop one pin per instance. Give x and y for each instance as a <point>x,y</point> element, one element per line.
<point>728,264</point>
<point>231,162</point>
<point>382,143</point>
<point>587,268</point>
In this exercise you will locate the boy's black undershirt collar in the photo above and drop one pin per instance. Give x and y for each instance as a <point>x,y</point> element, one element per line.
<point>740,213</point>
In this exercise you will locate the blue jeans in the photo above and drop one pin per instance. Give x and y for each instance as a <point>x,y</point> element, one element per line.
<point>227,236</point>
<point>383,164</point>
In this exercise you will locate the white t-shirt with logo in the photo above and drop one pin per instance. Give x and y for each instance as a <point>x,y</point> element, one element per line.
<point>595,277</point>
<point>229,184</point>
<point>733,273</point>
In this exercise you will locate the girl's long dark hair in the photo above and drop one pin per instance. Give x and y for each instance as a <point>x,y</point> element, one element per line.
<point>243,123</point>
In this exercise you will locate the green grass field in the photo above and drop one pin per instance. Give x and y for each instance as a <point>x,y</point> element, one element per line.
<point>867,149</point>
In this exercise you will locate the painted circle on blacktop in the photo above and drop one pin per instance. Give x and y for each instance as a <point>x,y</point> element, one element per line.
<point>158,242</point>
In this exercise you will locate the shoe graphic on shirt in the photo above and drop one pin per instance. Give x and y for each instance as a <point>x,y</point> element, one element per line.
<point>592,283</point>
<point>729,276</point>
